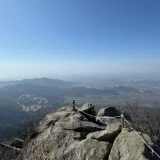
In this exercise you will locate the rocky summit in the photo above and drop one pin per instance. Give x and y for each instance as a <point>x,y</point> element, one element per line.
<point>72,135</point>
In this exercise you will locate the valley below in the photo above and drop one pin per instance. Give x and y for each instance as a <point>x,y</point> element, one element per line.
<point>21,103</point>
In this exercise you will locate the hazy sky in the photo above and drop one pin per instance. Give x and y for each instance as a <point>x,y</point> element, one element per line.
<point>53,38</point>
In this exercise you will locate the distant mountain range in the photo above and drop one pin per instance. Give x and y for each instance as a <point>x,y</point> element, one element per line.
<point>31,98</point>
<point>153,81</point>
<point>17,98</point>
<point>41,82</point>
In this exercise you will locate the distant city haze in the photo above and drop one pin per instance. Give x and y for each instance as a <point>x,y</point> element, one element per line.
<point>75,39</point>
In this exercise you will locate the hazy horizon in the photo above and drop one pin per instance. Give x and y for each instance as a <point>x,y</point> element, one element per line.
<point>72,39</point>
<point>85,78</point>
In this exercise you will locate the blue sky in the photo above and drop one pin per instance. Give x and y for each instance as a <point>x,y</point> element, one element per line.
<point>55,38</point>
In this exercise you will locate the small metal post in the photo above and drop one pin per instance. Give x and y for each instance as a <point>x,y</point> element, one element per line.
<point>122,119</point>
<point>73,103</point>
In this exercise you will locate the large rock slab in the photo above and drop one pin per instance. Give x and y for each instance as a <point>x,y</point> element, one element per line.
<point>78,123</point>
<point>67,109</point>
<point>88,108</point>
<point>109,112</point>
<point>108,135</point>
<point>88,149</point>
<point>128,146</point>
<point>108,120</point>
<point>51,119</point>
<point>83,126</point>
<point>50,144</point>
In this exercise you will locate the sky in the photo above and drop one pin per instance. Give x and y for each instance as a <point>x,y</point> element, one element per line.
<point>60,38</point>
